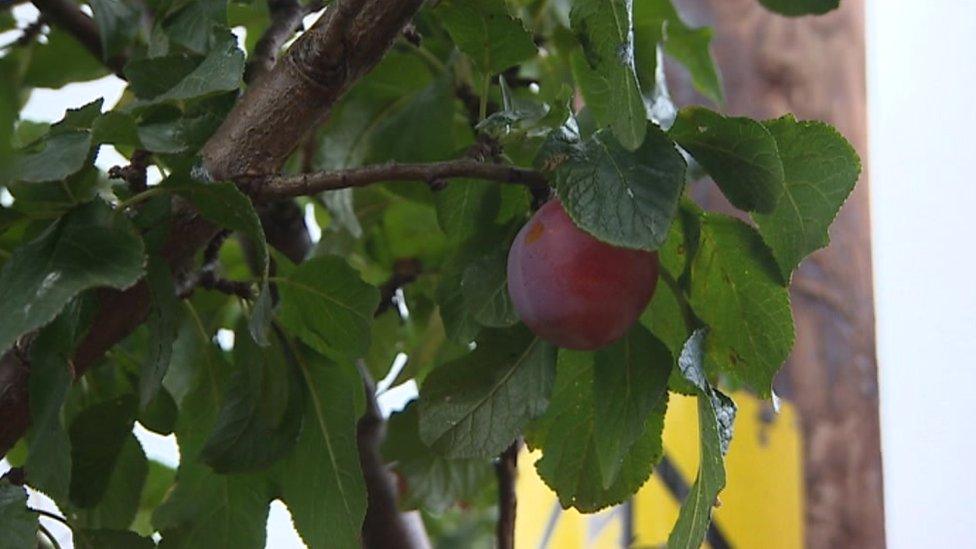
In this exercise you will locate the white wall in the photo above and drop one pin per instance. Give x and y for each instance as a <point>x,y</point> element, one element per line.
<point>921,80</point>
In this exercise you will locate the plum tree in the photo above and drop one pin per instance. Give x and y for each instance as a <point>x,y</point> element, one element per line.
<point>572,289</point>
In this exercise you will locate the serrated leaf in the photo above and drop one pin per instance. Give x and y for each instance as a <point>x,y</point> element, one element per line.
<point>656,22</point>
<point>61,156</point>
<point>485,289</point>
<point>164,319</point>
<point>821,170</point>
<point>179,77</point>
<point>740,154</point>
<point>486,31</point>
<point>624,198</point>
<point>193,26</point>
<point>19,526</point>
<point>160,414</point>
<point>118,506</point>
<point>259,325</point>
<point>467,207</point>
<point>88,247</point>
<point>158,483</point>
<point>460,325</point>
<point>433,482</point>
<point>800,7</point>
<point>327,305</point>
<point>98,434</point>
<point>567,435</point>
<point>205,510</point>
<point>716,414</point>
<point>475,406</point>
<point>321,482</point>
<point>630,378</point>
<point>735,290</point>
<point>260,416</point>
<point>118,24</point>
<point>606,72</point>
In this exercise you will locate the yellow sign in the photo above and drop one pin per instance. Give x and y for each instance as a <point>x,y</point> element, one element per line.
<point>762,504</point>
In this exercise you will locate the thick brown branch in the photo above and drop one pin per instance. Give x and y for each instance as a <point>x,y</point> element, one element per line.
<point>282,186</point>
<point>66,15</point>
<point>506,469</point>
<point>286,20</point>
<point>385,527</point>
<point>284,104</point>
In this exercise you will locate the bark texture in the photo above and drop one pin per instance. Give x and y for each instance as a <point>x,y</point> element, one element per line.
<point>814,67</point>
<point>295,96</point>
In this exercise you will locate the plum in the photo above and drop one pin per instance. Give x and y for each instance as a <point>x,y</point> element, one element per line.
<point>573,290</point>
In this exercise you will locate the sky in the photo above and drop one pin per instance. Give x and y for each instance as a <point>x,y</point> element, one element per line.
<point>921,73</point>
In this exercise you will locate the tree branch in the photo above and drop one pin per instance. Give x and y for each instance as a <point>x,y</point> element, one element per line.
<point>385,527</point>
<point>286,20</point>
<point>265,125</point>
<point>282,186</point>
<point>506,469</point>
<point>66,15</point>
<point>287,102</point>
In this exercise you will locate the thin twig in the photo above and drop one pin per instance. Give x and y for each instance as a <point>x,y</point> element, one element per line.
<point>405,271</point>
<point>135,173</point>
<point>506,469</point>
<point>283,186</point>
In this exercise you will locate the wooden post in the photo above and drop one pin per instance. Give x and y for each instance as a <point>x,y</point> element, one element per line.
<point>815,68</point>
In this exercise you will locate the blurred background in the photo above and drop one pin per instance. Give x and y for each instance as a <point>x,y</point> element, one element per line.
<point>896,77</point>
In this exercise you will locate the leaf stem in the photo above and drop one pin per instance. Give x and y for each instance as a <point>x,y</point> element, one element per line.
<point>141,197</point>
<point>483,105</point>
<point>428,56</point>
<point>691,321</point>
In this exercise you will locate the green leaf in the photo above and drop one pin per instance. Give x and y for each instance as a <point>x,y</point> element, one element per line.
<point>325,304</point>
<point>261,414</point>
<point>116,128</point>
<point>689,46</point>
<point>624,198</point>
<point>739,153</point>
<point>259,325</point>
<point>433,482</point>
<point>467,207</point>
<point>800,7</point>
<point>205,510</point>
<point>49,455</point>
<point>322,482</point>
<point>570,462</point>
<point>88,247</point>
<point>606,73</point>
<point>118,23</point>
<point>716,414</point>
<point>119,505</point>
<point>735,290</point>
<point>62,60</point>
<point>485,31</point>
<point>174,78</point>
<point>98,434</point>
<point>475,406</point>
<point>630,379</point>
<point>485,289</point>
<point>160,414</point>
<point>62,155</point>
<point>193,26</point>
<point>19,526</point>
<point>821,170</point>
<point>110,539</point>
<point>224,204</point>
<point>460,325</point>
<point>164,322</point>
<point>158,483</point>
